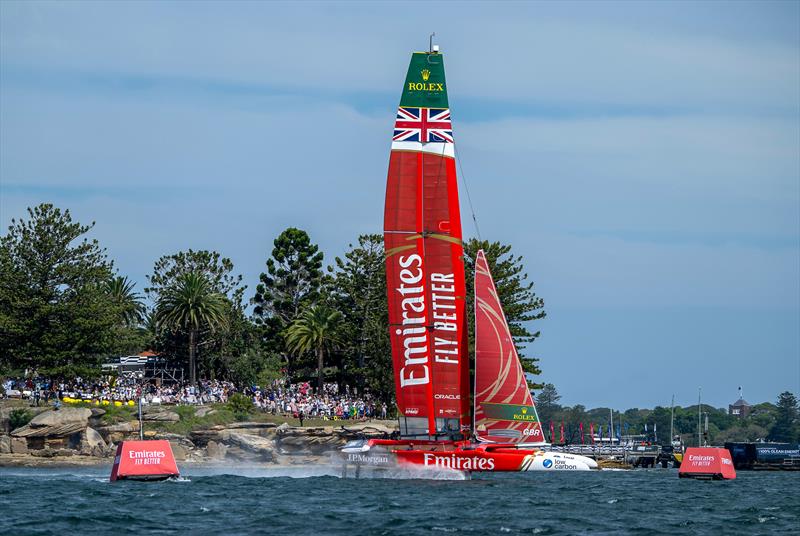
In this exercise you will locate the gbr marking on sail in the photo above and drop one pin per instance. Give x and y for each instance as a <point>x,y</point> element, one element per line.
<point>414,330</point>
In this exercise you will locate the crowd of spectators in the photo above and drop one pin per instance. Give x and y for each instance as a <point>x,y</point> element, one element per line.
<point>298,400</point>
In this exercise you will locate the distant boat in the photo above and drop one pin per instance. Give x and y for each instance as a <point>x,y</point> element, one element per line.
<point>427,313</point>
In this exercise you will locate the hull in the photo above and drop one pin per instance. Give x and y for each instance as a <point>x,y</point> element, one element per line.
<point>461,456</point>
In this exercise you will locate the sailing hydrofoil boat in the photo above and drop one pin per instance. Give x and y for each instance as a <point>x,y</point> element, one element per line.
<point>425,277</point>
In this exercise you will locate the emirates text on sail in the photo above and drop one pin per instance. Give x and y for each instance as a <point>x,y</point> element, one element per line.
<point>414,333</point>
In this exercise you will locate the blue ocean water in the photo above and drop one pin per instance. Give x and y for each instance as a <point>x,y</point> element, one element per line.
<point>213,500</point>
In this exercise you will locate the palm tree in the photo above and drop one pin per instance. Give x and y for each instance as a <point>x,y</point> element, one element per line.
<point>121,292</point>
<point>316,329</point>
<point>192,304</point>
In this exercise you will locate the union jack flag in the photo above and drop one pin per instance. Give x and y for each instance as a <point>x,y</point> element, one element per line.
<point>423,125</point>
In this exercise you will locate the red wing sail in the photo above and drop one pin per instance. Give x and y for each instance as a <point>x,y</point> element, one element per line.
<point>424,260</point>
<point>504,408</point>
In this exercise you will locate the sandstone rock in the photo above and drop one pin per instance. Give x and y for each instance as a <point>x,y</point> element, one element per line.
<point>5,420</point>
<point>5,415</point>
<point>59,430</point>
<point>61,417</point>
<point>309,440</point>
<point>5,444</point>
<point>119,432</point>
<point>201,438</point>
<point>216,451</point>
<point>55,423</point>
<point>263,429</point>
<point>368,429</point>
<point>251,425</point>
<point>179,451</point>
<point>161,416</point>
<point>150,434</point>
<point>19,445</point>
<point>43,453</point>
<point>115,437</point>
<point>202,411</point>
<point>178,439</point>
<point>240,454</point>
<point>310,444</point>
<point>52,453</point>
<point>92,443</point>
<point>124,427</point>
<point>257,445</point>
<point>97,412</point>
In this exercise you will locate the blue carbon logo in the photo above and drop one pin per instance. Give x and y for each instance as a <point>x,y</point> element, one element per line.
<point>547,464</point>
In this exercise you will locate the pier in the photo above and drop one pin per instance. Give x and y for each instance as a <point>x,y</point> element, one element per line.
<point>634,455</point>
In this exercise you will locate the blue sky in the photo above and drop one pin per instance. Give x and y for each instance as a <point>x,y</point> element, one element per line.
<point>644,158</point>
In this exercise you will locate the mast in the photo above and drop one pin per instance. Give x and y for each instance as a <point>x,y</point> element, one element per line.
<point>611,429</point>
<point>672,420</point>
<point>699,432</point>
<point>424,259</point>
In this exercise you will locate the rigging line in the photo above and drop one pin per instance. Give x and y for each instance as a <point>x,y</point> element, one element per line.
<point>469,197</point>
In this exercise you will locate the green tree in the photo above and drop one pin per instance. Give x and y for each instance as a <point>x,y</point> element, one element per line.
<point>520,303</point>
<point>255,366</point>
<point>218,270</point>
<point>240,405</point>
<point>358,289</point>
<point>291,283</point>
<point>191,305</point>
<point>315,329</point>
<point>129,334</point>
<point>786,427</point>
<point>547,402</point>
<point>230,339</point>
<point>54,314</point>
<point>744,431</point>
<point>128,302</point>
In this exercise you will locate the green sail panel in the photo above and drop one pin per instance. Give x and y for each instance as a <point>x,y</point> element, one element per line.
<point>425,85</point>
<point>510,412</point>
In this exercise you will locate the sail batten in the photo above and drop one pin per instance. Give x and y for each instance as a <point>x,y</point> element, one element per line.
<point>424,259</point>
<point>504,408</point>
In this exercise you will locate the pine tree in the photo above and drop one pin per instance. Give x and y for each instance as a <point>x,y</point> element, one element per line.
<point>291,283</point>
<point>54,312</point>
<point>786,427</point>
<point>358,290</point>
<point>520,303</point>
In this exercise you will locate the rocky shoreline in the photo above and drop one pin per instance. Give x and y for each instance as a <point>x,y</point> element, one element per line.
<point>79,436</point>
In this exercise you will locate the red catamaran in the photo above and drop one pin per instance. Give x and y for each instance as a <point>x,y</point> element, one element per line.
<point>427,312</point>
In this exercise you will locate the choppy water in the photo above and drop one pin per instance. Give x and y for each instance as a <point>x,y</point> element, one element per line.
<point>298,501</point>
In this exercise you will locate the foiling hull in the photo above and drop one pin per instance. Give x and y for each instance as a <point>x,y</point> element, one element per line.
<point>460,456</point>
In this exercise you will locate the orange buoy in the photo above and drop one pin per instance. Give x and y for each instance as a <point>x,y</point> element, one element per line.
<point>144,460</point>
<point>707,463</point>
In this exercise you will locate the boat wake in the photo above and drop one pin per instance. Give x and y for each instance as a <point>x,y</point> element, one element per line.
<point>382,466</point>
<point>333,469</point>
<point>409,472</point>
<point>291,471</point>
